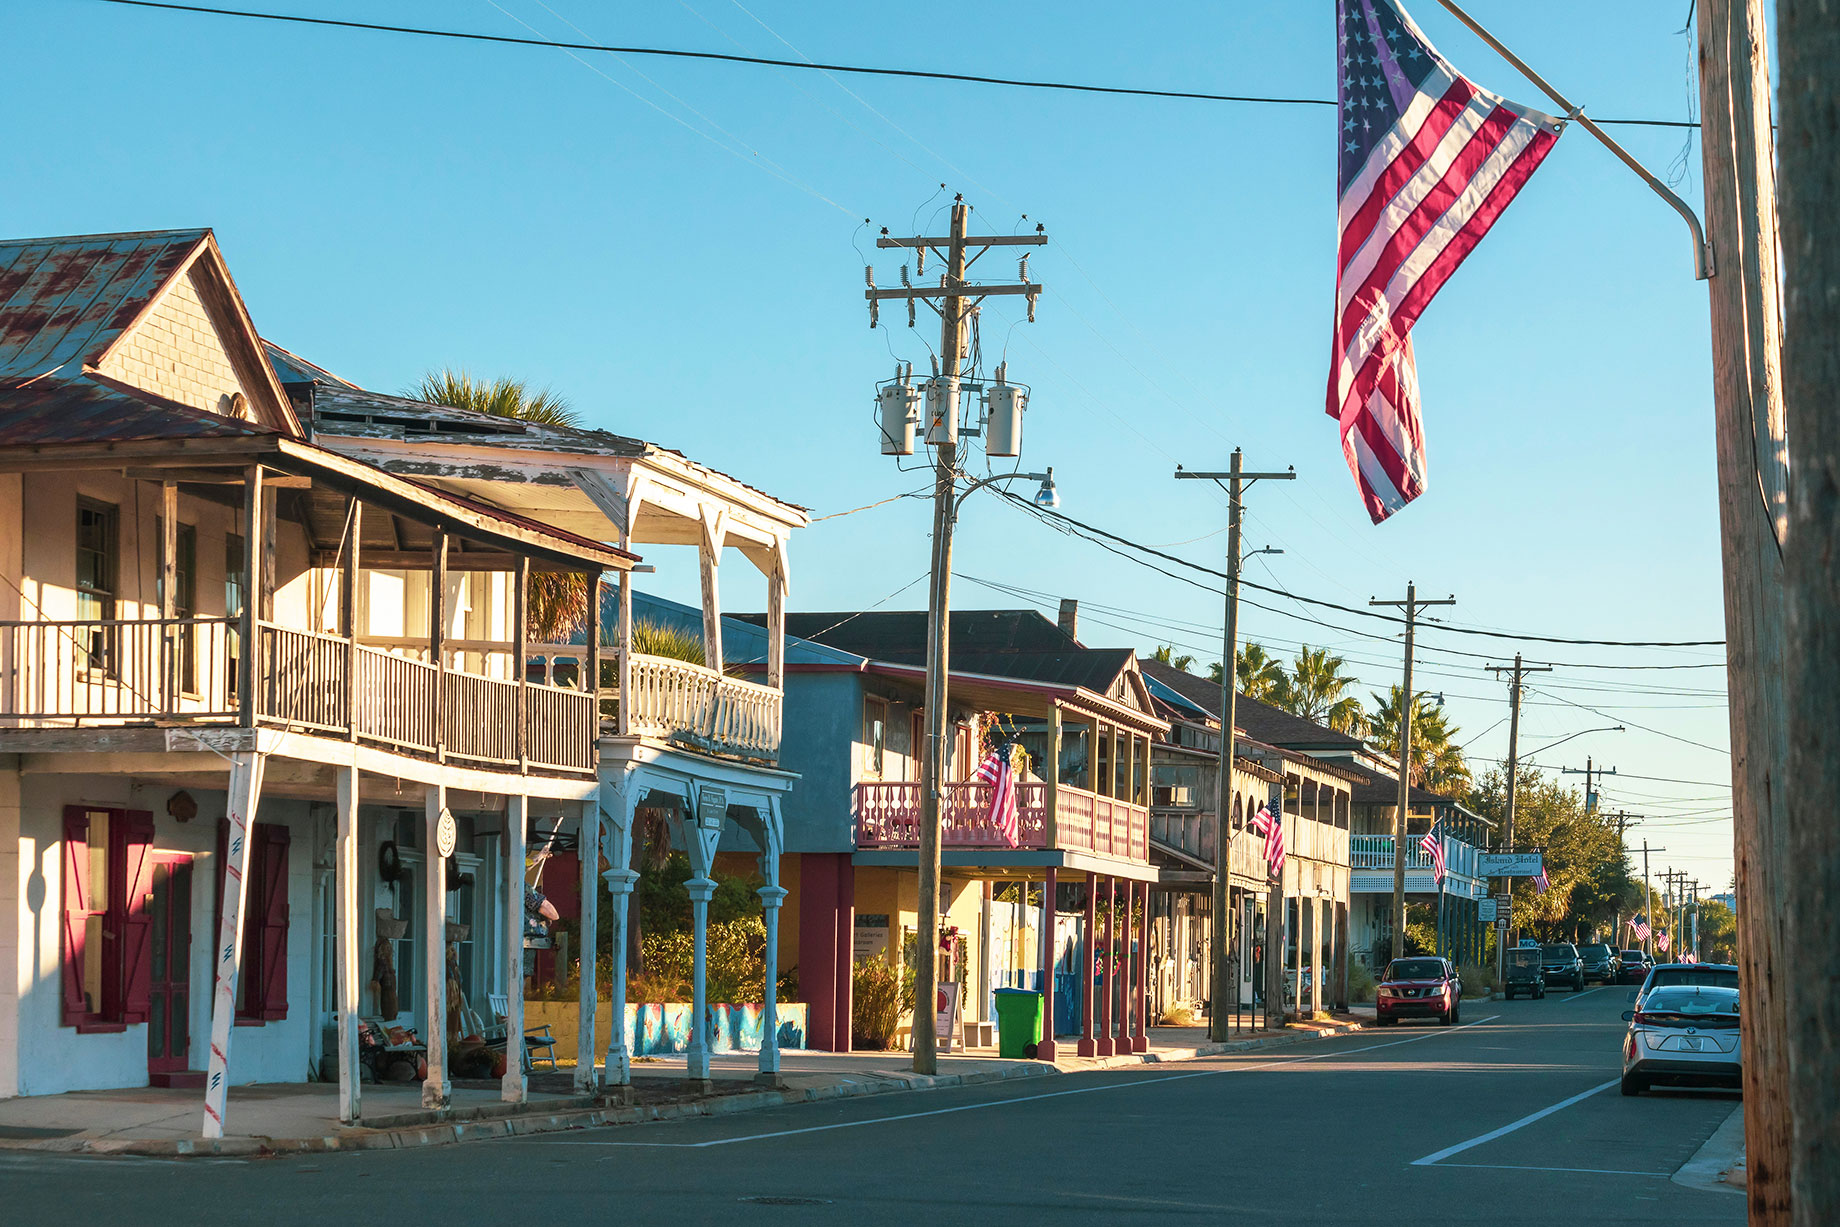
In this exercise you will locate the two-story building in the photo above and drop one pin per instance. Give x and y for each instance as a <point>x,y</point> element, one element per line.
<point>1084,722</point>
<point>267,754</point>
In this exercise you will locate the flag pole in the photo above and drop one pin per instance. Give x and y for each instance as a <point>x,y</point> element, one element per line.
<point>1702,250</point>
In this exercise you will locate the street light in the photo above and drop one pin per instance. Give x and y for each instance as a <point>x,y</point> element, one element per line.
<point>1611,728</point>
<point>1047,498</point>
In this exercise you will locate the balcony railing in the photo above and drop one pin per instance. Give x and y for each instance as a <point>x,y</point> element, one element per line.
<point>1376,852</point>
<point>184,671</point>
<point>677,700</point>
<point>888,816</point>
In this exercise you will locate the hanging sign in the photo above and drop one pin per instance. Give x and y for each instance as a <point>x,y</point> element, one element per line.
<point>446,834</point>
<point>1509,864</point>
<point>711,807</point>
<point>1485,910</point>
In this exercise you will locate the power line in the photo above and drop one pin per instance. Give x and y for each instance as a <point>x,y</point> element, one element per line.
<point>772,62</point>
<point>1048,515</point>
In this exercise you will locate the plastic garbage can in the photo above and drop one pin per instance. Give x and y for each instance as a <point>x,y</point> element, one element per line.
<point>1018,1022</point>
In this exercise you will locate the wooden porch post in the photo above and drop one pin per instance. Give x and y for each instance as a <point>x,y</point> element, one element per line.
<point>1088,1046</point>
<point>514,1086</point>
<point>246,679</point>
<point>348,618</point>
<point>587,1081</point>
<point>776,619</point>
<point>621,878</point>
<point>592,682</point>
<point>1142,1038</point>
<point>1051,776</point>
<point>437,641</point>
<point>168,694</point>
<point>1107,968</point>
<point>436,1088</point>
<point>622,725</point>
<point>709,557</point>
<point>345,891</point>
<point>520,638</point>
<point>772,896</point>
<point>1126,957</point>
<point>240,810</point>
<point>1050,950</point>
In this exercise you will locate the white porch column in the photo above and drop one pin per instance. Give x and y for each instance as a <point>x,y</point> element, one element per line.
<point>345,893</point>
<point>240,809</point>
<point>701,889</point>
<point>771,897</point>
<point>709,554</point>
<point>778,581</point>
<point>514,1085</point>
<point>586,1080</point>
<point>616,808</point>
<point>436,1089</point>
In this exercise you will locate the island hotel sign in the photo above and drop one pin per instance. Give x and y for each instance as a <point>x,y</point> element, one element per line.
<point>1508,865</point>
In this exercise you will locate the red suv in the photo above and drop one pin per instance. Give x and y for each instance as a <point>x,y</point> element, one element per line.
<point>1419,988</point>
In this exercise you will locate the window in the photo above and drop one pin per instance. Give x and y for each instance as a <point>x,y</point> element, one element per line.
<point>105,940</point>
<point>261,986</point>
<point>98,570</point>
<point>234,596</point>
<point>185,598</point>
<point>875,736</point>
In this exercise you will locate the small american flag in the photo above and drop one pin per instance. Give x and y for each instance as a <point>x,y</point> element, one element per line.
<point>1661,942</point>
<point>1540,884</point>
<point>1434,848</point>
<point>1272,828</point>
<point>1641,928</point>
<point>1428,163</point>
<point>997,773</point>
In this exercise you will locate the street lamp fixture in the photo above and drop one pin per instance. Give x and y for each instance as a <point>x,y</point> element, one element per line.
<point>1609,728</point>
<point>1047,498</point>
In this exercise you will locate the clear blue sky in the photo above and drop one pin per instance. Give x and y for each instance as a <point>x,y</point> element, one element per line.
<point>670,245</point>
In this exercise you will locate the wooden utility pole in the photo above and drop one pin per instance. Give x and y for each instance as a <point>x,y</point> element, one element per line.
<point>1407,702</point>
<point>1517,674</point>
<point>1224,975</point>
<point>1808,35</point>
<point>955,298</point>
<point>1590,798</point>
<point>1753,458</point>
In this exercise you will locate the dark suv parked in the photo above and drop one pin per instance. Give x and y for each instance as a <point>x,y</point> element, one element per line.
<point>1600,963</point>
<point>1560,964</point>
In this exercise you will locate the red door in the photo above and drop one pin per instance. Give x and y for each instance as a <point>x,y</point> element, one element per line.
<point>169,910</point>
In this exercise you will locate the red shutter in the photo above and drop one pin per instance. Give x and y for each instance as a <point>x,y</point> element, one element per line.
<point>76,912</point>
<point>137,925</point>
<point>272,845</point>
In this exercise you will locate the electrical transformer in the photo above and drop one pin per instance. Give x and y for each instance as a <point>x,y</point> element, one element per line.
<point>1003,406</point>
<point>900,415</point>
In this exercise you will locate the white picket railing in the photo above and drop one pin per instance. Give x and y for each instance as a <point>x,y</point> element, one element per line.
<point>107,671</point>
<point>676,700</point>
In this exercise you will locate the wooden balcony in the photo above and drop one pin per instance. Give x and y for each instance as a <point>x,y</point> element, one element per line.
<point>888,816</point>
<point>678,701</point>
<point>184,670</point>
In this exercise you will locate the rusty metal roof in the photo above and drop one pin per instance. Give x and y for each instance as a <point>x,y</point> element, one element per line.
<point>64,301</point>
<point>97,410</point>
<point>292,368</point>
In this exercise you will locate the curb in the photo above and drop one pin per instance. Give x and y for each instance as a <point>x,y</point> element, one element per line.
<point>1718,1166</point>
<point>408,1130</point>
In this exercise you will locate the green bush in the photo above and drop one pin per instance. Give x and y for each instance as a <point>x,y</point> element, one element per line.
<point>734,966</point>
<point>1477,980</point>
<point>1360,982</point>
<point>881,994</point>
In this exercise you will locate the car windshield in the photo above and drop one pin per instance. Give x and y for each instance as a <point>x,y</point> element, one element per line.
<point>1711,1004</point>
<point>1565,953</point>
<point>1595,952</point>
<point>1524,958</point>
<point>1710,977</point>
<point>1632,954</point>
<point>1415,969</point>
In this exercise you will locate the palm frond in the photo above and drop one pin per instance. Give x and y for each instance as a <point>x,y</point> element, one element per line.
<point>503,397</point>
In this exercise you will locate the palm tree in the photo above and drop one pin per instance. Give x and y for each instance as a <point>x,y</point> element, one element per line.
<point>1167,654</point>
<point>1259,674</point>
<point>1318,690</point>
<point>1437,761</point>
<point>559,603</point>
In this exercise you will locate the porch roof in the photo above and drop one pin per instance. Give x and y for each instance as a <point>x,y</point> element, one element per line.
<point>1011,864</point>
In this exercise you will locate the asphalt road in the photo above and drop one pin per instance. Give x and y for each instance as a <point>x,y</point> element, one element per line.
<point>1512,1118</point>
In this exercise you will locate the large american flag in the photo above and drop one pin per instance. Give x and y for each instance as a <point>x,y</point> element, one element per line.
<point>997,773</point>
<point>1429,161</point>
<point>1271,826</point>
<point>1641,928</point>
<point>1434,848</point>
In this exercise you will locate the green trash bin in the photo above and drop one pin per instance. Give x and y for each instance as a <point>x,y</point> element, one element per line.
<point>1018,1022</point>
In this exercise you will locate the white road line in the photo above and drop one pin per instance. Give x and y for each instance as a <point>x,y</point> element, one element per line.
<point>1002,1103</point>
<point>1522,1123</point>
<point>1587,992</point>
<point>1588,1171</point>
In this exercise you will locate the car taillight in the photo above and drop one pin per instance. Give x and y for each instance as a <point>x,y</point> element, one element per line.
<point>1646,1020</point>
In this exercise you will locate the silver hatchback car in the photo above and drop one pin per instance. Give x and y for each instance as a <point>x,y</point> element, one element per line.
<point>1684,1035</point>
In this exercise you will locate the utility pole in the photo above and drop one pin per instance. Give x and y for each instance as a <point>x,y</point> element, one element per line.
<point>1623,819</point>
<point>1809,39</point>
<point>1590,798</point>
<point>1407,702</point>
<point>949,299</point>
<point>1752,446</point>
<point>1648,901</point>
<point>1517,673</point>
<point>1224,977</point>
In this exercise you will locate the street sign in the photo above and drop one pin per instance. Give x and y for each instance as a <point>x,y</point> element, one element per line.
<point>711,807</point>
<point>1485,910</point>
<point>1508,864</point>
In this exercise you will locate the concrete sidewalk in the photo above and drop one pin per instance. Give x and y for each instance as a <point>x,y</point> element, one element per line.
<point>302,1117</point>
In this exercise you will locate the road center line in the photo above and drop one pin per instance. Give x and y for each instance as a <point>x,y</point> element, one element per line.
<point>1587,1171</point>
<point>1001,1103</point>
<point>1587,992</point>
<point>1522,1123</point>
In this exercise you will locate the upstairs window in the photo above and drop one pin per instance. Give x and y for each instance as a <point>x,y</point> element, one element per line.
<point>98,573</point>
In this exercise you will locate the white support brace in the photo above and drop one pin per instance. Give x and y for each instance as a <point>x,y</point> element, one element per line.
<point>587,1082</point>
<point>345,889</point>
<point>436,1089</point>
<point>240,811</point>
<point>514,1086</point>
